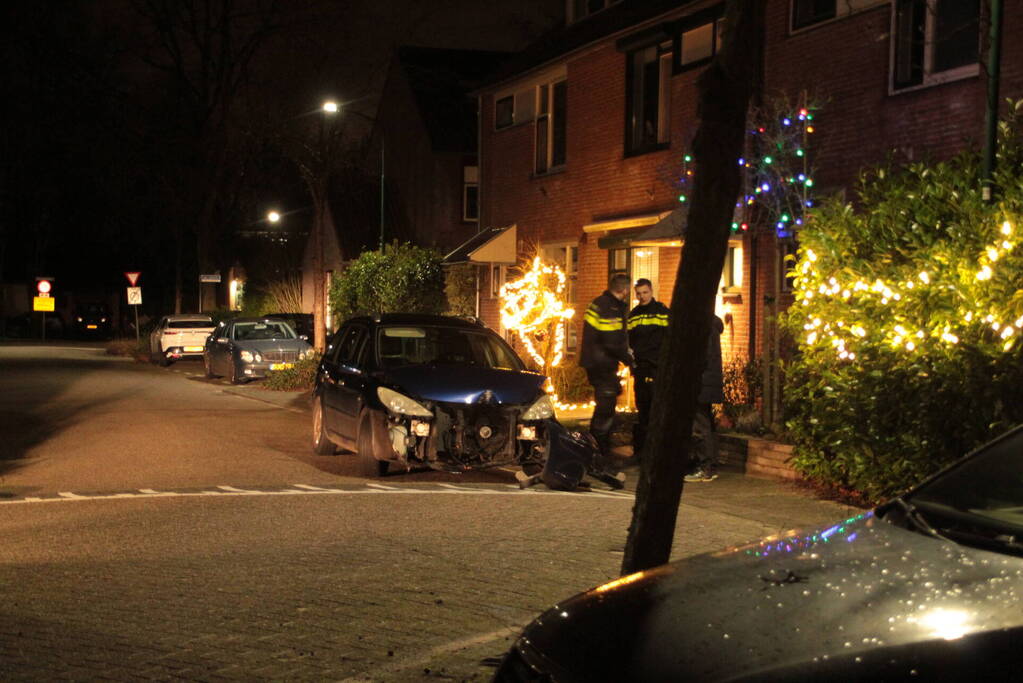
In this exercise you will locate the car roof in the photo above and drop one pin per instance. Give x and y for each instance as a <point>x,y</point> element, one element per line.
<point>417,319</point>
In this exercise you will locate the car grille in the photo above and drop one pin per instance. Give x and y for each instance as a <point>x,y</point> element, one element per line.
<point>280,356</point>
<point>477,431</point>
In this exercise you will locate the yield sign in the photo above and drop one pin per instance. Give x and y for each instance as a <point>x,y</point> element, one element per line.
<point>132,277</point>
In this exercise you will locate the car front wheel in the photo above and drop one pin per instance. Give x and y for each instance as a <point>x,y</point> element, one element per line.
<point>369,464</point>
<point>233,376</point>
<point>321,444</point>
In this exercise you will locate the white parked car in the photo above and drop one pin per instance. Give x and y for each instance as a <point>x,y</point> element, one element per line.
<point>178,336</point>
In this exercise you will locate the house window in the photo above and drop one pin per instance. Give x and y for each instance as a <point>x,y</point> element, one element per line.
<point>470,193</point>
<point>731,276</point>
<point>699,43</point>
<point>551,129</point>
<point>580,9</point>
<point>934,41</point>
<point>566,256</point>
<point>504,114</point>
<point>808,12</point>
<point>649,79</point>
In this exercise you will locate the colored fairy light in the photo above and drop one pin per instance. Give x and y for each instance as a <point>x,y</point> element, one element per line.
<point>765,187</point>
<point>688,158</point>
<point>768,160</point>
<point>742,162</point>
<point>681,197</point>
<point>809,129</point>
<point>786,121</point>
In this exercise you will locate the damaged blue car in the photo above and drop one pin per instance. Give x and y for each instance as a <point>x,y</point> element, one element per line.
<point>410,391</point>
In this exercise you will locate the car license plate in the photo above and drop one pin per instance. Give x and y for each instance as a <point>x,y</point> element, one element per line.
<point>92,327</point>
<point>193,349</point>
<point>281,366</point>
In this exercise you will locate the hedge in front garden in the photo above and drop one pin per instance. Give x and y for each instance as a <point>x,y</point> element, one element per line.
<point>397,278</point>
<point>908,315</point>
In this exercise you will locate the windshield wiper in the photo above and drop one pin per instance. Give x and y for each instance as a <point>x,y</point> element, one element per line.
<point>911,513</point>
<point>997,542</point>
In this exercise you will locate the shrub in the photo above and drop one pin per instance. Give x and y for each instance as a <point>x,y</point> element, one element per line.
<point>743,384</point>
<point>298,378</point>
<point>907,316</point>
<point>397,278</point>
<point>571,384</point>
<point>460,289</point>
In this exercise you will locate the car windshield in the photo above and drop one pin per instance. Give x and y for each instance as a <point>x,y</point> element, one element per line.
<point>270,329</point>
<point>189,324</point>
<point>980,501</point>
<point>435,345</point>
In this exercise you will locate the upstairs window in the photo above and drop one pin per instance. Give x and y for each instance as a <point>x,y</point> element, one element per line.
<point>580,9</point>
<point>934,41</point>
<point>698,44</point>
<point>809,12</point>
<point>649,81</point>
<point>470,193</point>
<point>551,131</point>
<point>515,108</point>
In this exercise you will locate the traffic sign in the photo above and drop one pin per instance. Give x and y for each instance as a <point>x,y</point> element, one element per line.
<point>135,295</point>
<point>133,276</point>
<point>209,277</point>
<point>44,287</point>
<point>43,303</point>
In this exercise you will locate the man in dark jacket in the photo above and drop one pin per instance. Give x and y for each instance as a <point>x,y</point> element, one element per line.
<point>605,345</point>
<point>648,327</point>
<point>705,445</point>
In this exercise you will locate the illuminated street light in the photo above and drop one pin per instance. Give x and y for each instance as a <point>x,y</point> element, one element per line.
<point>331,107</point>
<point>273,216</point>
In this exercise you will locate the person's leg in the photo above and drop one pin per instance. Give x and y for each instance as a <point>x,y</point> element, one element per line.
<point>704,447</point>
<point>643,382</point>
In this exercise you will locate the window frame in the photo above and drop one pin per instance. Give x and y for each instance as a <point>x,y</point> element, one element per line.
<point>548,122</point>
<point>470,181</point>
<point>499,123</point>
<point>732,274</point>
<point>664,56</point>
<point>573,17</point>
<point>571,270</point>
<point>717,31</point>
<point>928,78</point>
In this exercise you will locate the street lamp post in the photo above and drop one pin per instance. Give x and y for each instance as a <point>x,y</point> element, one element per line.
<point>320,191</point>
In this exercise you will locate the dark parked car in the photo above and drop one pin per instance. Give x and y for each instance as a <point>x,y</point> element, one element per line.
<point>92,321</point>
<point>410,391</point>
<point>925,587</point>
<point>248,348</point>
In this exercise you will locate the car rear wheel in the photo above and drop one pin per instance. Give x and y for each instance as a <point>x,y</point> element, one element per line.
<point>321,444</point>
<point>209,368</point>
<point>369,464</point>
<point>164,361</point>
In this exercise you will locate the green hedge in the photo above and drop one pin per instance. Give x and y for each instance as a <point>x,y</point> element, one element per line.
<point>397,278</point>
<point>298,378</point>
<point>907,316</point>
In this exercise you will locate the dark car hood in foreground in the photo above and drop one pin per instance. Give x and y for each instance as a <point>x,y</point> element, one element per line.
<point>465,384</point>
<point>863,599</point>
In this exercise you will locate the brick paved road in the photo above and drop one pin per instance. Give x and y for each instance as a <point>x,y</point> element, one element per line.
<point>255,571</point>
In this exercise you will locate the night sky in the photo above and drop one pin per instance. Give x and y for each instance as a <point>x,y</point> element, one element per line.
<point>128,123</point>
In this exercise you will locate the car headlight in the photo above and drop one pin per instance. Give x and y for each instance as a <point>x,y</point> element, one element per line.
<point>541,409</point>
<point>249,357</point>
<point>402,404</point>
<point>78,319</point>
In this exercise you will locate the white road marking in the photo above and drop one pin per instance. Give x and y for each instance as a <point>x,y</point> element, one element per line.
<point>381,487</point>
<point>308,490</point>
<point>431,655</point>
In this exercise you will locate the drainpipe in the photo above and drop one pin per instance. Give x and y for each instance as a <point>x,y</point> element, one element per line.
<point>993,76</point>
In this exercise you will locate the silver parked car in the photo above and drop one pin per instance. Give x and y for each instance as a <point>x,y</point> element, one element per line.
<point>248,348</point>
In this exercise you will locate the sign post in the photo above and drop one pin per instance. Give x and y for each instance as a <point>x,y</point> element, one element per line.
<point>134,297</point>
<point>44,302</point>
<point>204,278</point>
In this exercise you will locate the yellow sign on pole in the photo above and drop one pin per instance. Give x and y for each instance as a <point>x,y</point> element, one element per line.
<point>43,303</point>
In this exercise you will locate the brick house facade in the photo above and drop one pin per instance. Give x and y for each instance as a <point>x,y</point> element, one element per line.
<point>583,134</point>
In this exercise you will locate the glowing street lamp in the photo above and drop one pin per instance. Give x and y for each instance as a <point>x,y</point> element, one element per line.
<point>331,107</point>
<point>273,216</point>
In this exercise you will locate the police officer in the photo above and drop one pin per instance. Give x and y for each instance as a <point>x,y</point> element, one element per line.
<point>605,345</point>
<point>648,327</point>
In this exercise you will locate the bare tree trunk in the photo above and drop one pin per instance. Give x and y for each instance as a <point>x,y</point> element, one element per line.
<point>725,88</point>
